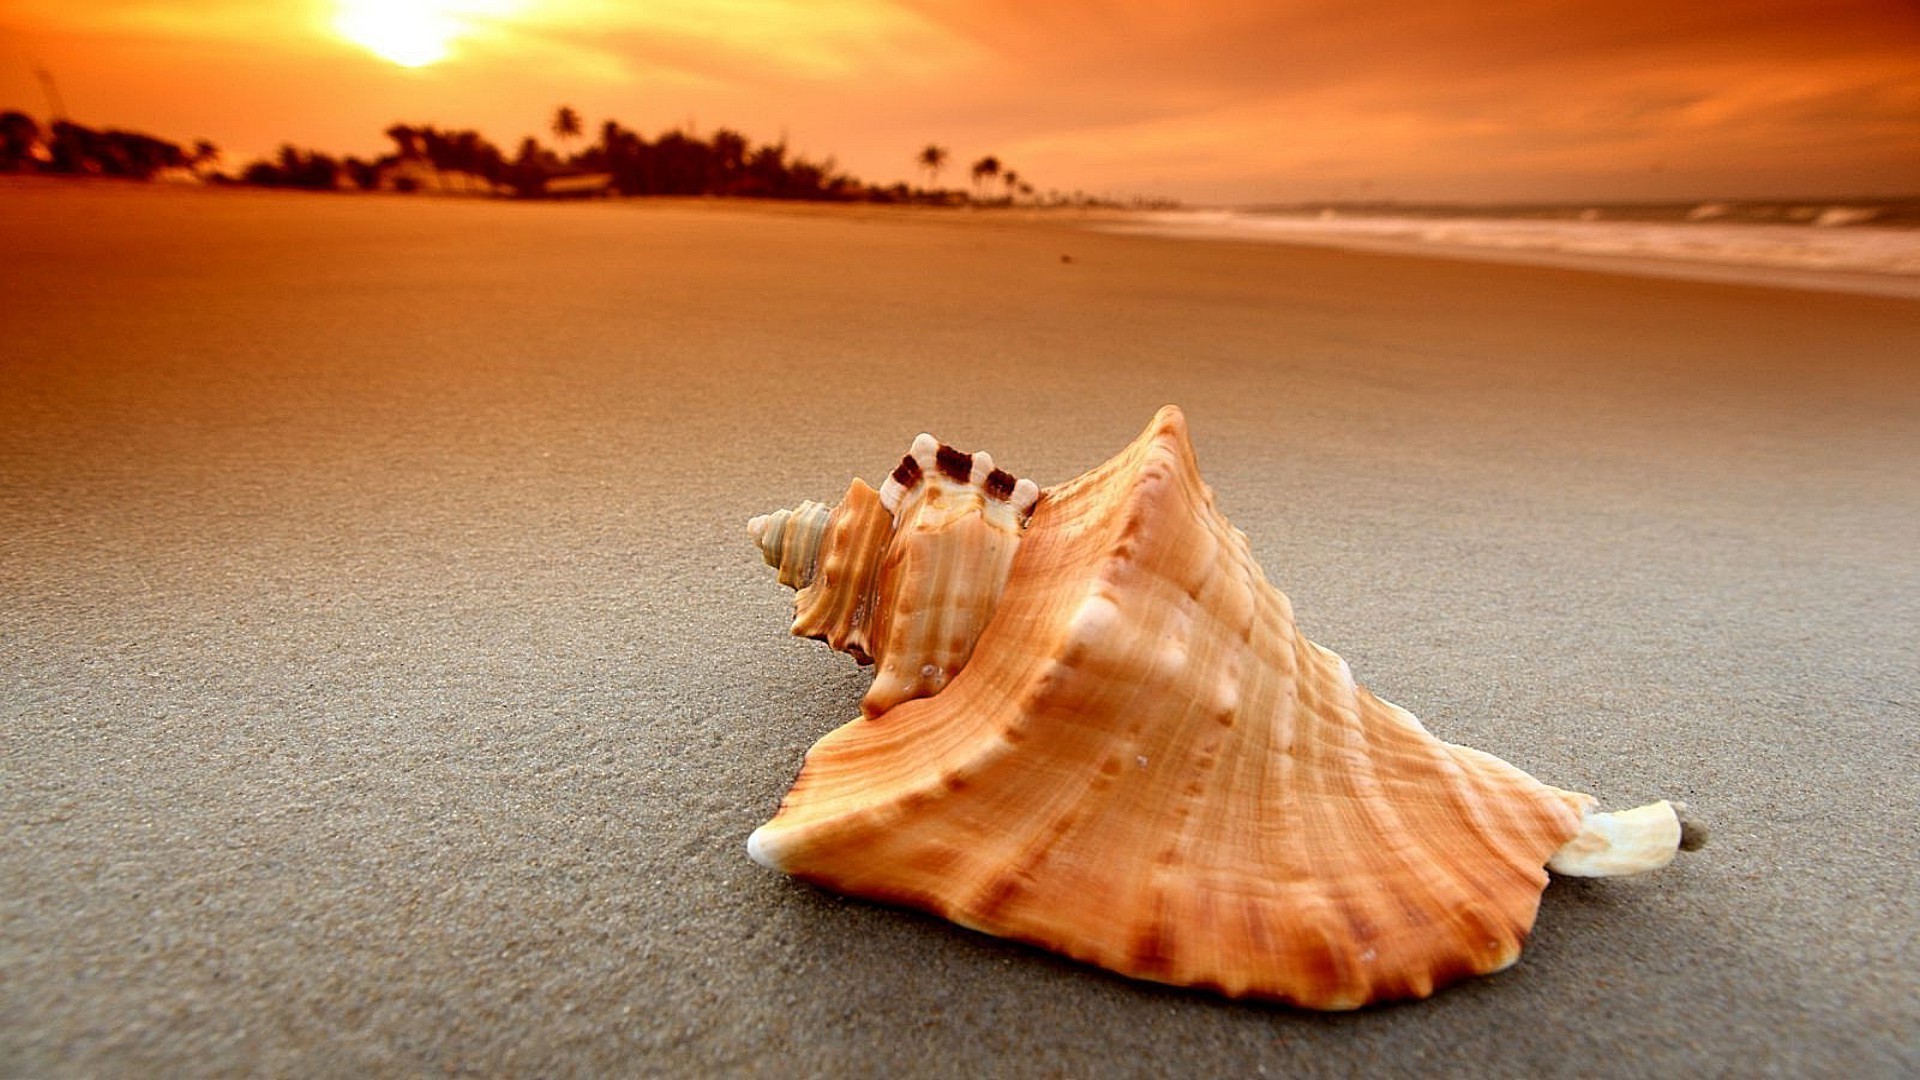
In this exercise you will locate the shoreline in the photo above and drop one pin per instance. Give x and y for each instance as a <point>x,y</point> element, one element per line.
<point>1116,221</point>
<point>1853,282</point>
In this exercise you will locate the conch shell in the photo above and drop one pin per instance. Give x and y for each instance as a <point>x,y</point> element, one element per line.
<point>1094,727</point>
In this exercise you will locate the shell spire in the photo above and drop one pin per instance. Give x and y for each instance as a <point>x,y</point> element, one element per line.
<point>789,540</point>
<point>907,576</point>
<point>1144,764</point>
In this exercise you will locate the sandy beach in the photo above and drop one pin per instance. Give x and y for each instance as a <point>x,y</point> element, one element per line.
<point>388,687</point>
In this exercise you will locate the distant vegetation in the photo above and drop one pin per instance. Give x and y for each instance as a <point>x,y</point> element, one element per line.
<point>620,161</point>
<point>68,148</point>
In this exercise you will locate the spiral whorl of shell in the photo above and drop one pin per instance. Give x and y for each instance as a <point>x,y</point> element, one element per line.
<point>790,540</point>
<point>905,577</point>
<point>1145,764</point>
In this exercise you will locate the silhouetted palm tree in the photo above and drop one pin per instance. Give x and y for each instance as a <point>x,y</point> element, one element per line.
<point>528,173</point>
<point>364,174</point>
<point>296,168</point>
<point>19,138</point>
<point>985,169</point>
<point>730,150</point>
<point>204,156</point>
<point>77,149</point>
<point>436,146</point>
<point>465,153</point>
<point>1012,180</point>
<point>566,124</point>
<point>767,170</point>
<point>406,140</point>
<point>933,157</point>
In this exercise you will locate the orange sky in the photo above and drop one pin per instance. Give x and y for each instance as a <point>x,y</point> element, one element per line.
<point>1206,100</point>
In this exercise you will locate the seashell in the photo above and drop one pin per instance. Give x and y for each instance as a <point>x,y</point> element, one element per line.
<point>1095,727</point>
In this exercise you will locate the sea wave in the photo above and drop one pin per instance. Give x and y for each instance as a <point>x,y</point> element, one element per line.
<point>1854,248</point>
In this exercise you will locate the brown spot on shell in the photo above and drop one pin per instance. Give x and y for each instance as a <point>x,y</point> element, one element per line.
<point>907,473</point>
<point>956,465</point>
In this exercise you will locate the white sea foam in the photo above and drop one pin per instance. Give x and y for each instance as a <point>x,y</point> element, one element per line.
<point>1855,258</point>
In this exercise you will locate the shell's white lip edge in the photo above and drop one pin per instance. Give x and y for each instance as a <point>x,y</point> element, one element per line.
<point>759,850</point>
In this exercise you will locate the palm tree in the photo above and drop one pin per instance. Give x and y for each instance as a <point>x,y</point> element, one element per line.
<point>730,150</point>
<point>406,140</point>
<point>1012,180</point>
<point>933,157</point>
<point>463,151</point>
<point>566,124</point>
<point>434,143</point>
<point>984,169</point>
<point>527,174</point>
<point>205,155</point>
<point>19,138</point>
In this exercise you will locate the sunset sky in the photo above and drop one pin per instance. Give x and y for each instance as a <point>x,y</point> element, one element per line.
<point>1206,101</point>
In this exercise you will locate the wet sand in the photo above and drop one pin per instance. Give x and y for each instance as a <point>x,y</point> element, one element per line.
<point>387,685</point>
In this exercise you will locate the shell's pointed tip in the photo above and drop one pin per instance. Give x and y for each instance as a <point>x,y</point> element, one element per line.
<point>757,526</point>
<point>758,849</point>
<point>1621,843</point>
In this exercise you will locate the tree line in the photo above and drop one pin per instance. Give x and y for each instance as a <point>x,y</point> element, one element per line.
<point>66,148</point>
<point>673,163</point>
<point>425,157</point>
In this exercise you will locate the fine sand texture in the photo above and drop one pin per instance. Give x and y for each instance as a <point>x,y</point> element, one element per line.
<point>388,686</point>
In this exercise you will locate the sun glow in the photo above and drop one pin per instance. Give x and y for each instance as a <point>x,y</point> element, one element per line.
<point>412,33</point>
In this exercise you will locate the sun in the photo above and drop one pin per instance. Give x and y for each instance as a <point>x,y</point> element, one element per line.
<point>411,33</point>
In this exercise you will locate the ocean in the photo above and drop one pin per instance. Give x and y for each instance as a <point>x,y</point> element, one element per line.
<point>1859,246</point>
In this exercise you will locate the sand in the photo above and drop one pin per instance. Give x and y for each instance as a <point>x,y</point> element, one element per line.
<point>387,685</point>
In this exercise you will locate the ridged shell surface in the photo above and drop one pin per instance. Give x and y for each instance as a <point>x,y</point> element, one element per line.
<point>906,577</point>
<point>1145,765</point>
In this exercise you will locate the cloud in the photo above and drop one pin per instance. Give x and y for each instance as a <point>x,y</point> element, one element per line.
<point>1449,96</point>
<point>735,41</point>
<point>1208,99</point>
<point>277,24</point>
